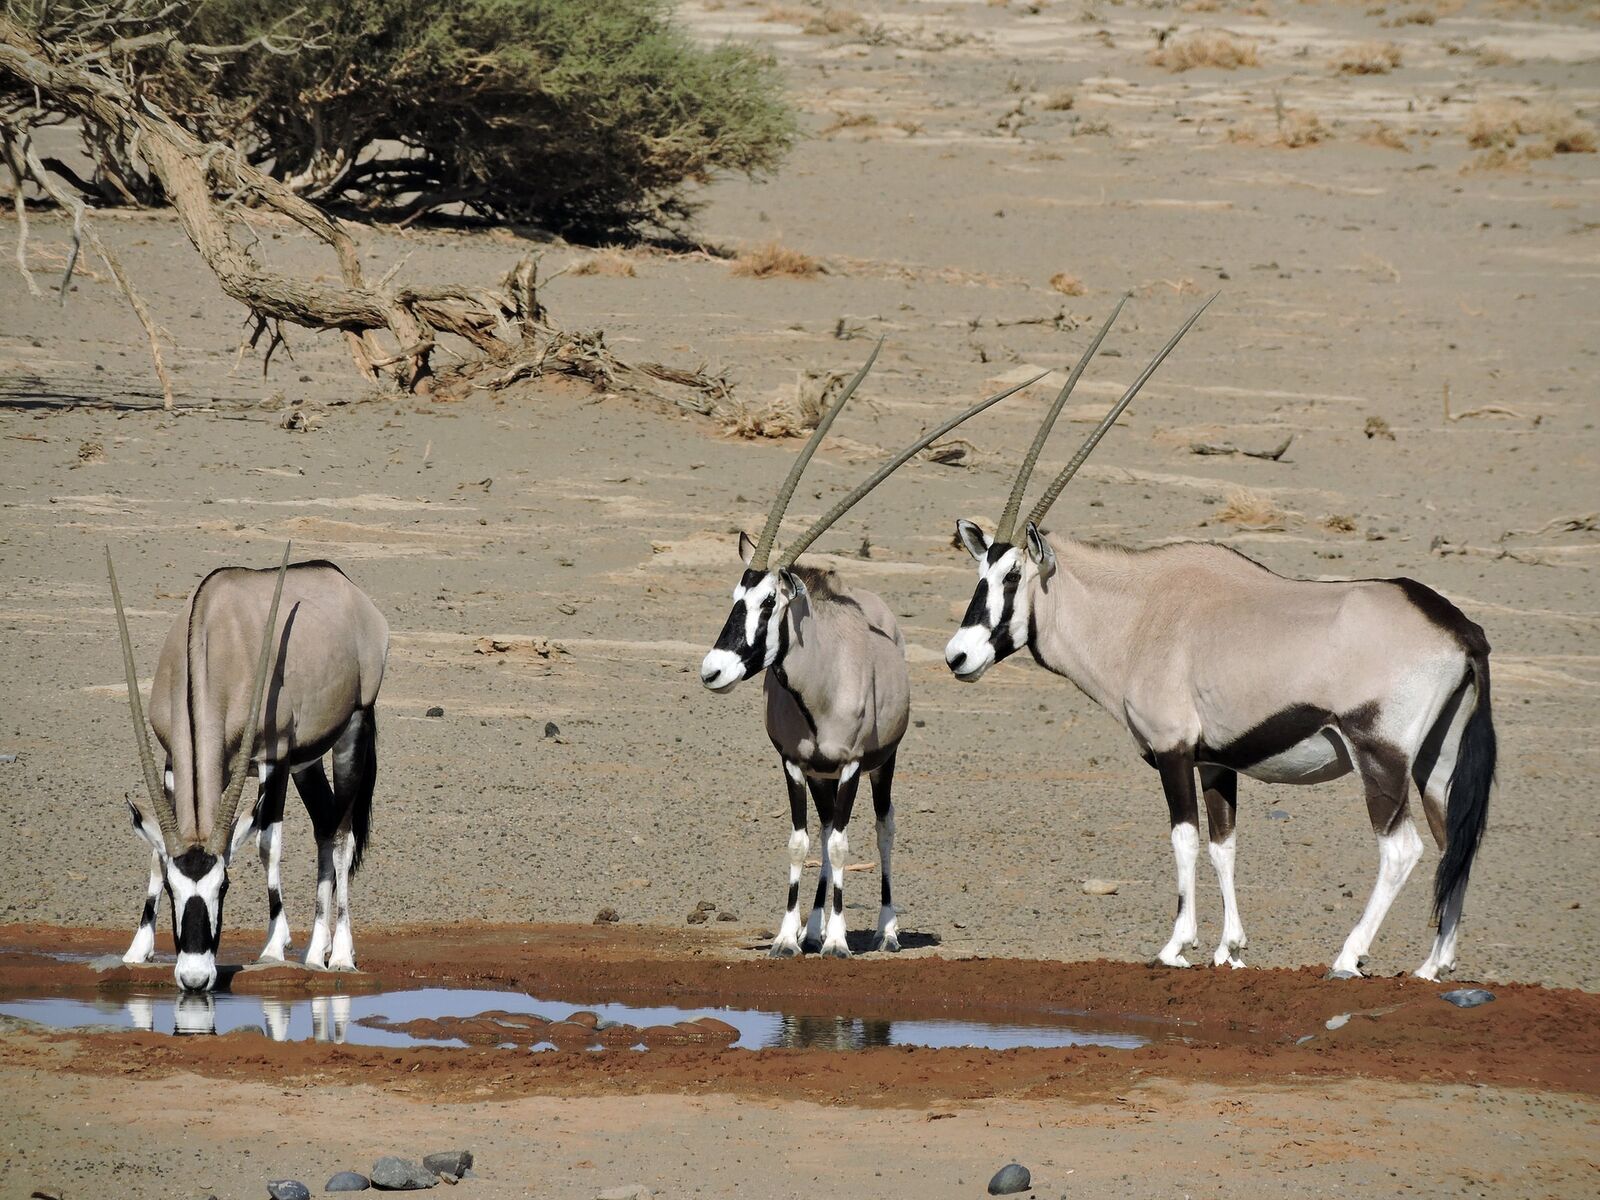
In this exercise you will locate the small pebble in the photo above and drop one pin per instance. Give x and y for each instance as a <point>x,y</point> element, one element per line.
<point>697,917</point>
<point>633,1191</point>
<point>1467,997</point>
<point>551,729</point>
<point>448,1162</point>
<point>725,915</point>
<point>8,758</point>
<point>1099,887</point>
<point>1338,1022</point>
<point>348,1181</point>
<point>1301,1041</point>
<point>607,916</point>
<point>1277,814</point>
<point>393,1174</point>
<point>435,711</point>
<point>288,1189</point>
<point>1010,1179</point>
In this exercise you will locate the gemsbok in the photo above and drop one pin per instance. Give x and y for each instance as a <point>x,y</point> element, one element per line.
<point>237,684</point>
<point>1212,661</point>
<point>837,690</point>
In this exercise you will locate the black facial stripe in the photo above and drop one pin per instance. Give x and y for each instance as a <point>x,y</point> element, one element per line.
<point>978,610</point>
<point>195,935</point>
<point>195,863</point>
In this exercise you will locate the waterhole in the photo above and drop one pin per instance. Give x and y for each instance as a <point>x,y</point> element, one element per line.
<point>516,1021</point>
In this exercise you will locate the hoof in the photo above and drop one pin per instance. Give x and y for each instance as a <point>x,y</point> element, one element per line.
<point>1341,973</point>
<point>1176,961</point>
<point>342,964</point>
<point>836,950</point>
<point>886,945</point>
<point>784,950</point>
<point>811,946</point>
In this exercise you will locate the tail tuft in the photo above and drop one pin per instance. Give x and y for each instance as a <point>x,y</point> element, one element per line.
<point>1467,805</point>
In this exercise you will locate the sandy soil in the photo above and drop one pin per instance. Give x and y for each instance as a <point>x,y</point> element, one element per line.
<point>943,189</point>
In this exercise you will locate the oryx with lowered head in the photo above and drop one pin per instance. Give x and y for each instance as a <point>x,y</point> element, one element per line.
<point>837,690</point>
<point>1213,662</point>
<point>274,669</point>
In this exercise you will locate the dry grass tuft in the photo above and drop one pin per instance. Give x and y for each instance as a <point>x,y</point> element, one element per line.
<point>1060,100</point>
<point>1339,523</point>
<point>1493,56</point>
<point>1367,58</point>
<point>771,260</point>
<point>1387,136</point>
<point>1298,129</point>
<point>793,415</point>
<point>609,261</point>
<point>1249,509</point>
<point>1497,126</point>
<point>818,22</point>
<point>1206,48</point>
<point>1068,285</point>
<point>1414,16</point>
<point>844,120</point>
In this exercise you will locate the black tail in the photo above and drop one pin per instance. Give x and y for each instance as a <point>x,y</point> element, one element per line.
<point>361,806</point>
<point>1467,810</point>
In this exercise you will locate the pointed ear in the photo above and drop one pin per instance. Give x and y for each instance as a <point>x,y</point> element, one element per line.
<point>791,584</point>
<point>747,547</point>
<point>1039,550</point>
<point>974,539</point>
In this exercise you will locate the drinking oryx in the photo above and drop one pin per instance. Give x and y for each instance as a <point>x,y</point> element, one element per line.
<point>1210,660</point>
<point>837,691</point>
<point>237,684</point>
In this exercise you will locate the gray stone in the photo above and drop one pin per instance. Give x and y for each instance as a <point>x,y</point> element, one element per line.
<point>106,962</point>
<point>392,1174</point>
<point>435,711</point>
<point>448,1162</point>
<point>1338,1022</point>
<point>632,1191</point>
<point>1277,814</point>
<point>1467,997</point>
<point>348,1181</point>
<point>551,729</point>
<point>1010,1179</point>
<point>1301,1041</point>
<point>288,1189</point>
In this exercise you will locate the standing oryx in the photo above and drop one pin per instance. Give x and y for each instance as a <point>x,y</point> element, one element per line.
<point>1212,661</point>
<point>236,684</point>
<point>837,690</point>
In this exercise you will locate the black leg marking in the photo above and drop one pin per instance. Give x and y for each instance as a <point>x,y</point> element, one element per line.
<point>797,825</point>
<point>1221,787</point>
<point>824,792</point>
<point>883,810</point>
<point>844,801</point>
<point>1177,769</point>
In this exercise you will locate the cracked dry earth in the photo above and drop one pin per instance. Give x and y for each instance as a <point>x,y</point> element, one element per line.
<point>962,157</point>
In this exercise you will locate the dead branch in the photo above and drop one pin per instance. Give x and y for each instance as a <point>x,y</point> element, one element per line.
<point>206,181</point>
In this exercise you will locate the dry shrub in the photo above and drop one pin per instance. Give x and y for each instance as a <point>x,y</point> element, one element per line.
<point>1205,48</point>
<point>1068,285</point>
<point>1414,16</point>
<point>1339,523</point>
<point>770,260</point>
<point>1493,56</point>
<point>1250,509</point>
<point>1060,100</point>
<point>1496,125</point>
<point>816,22</point>
<point>1208,6</point>
<point>609,261</point>
<point>793,415</point>
<point>1367,58</point>
<point>842,120</point>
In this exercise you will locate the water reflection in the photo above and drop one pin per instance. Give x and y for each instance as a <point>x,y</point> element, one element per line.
<point>194,1013</point>
<point>832,1033</point>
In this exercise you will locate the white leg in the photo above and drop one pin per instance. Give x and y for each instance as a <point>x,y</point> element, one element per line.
<point>322,923</point>
<point>275,1018</point>
<point>787,943</point>
<point>1186,853</point>
<point>269,843</point>
<point>142,1012</point>
<point>1233,939</point>
<point>834,943</point>
<point>143,947</point>
<point>1398,853</point>
<point>888,935</point>
<point>824,884</point>
<point>1442,959</point>
<point>342,957</point>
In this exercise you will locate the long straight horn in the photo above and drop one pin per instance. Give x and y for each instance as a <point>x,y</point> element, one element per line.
<point>222,828</point>
<point>769,533</point>
<point>165,817</point>
<point>1071,469</point>
<point>794,549</point>
<point>1008,519</point>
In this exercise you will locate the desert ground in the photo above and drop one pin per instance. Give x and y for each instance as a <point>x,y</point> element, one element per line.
<point>979,185</point>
